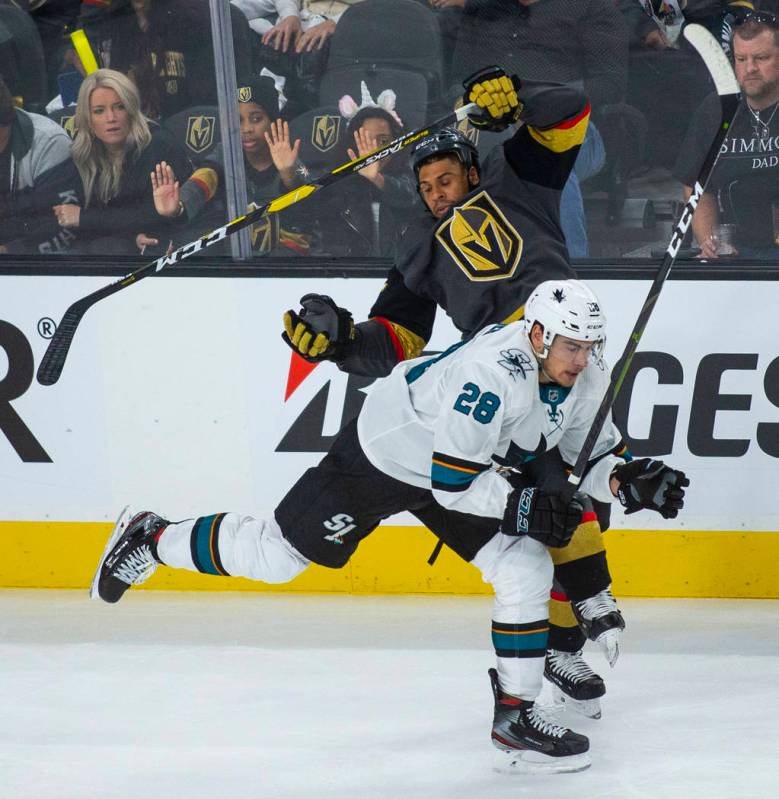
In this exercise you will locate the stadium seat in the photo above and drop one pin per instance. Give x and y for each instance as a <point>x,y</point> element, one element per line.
<point>400,33</point>
<point>65,118</point>
<point>411,89</point>
<point>321,131</point>
<point>196,129</point>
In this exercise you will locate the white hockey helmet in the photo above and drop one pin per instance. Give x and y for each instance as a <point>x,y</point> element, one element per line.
<point>566,308</point>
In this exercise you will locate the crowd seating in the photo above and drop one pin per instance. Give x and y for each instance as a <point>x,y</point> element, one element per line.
<point>398,44</point>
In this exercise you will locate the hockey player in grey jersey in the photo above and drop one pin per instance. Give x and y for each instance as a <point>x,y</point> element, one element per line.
<point>430,435</point>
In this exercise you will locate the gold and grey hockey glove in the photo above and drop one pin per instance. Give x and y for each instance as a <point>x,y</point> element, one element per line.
<point>495,93</point>
<point>320,331</point>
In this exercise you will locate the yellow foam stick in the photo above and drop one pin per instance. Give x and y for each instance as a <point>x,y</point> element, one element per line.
<point>84,50</point>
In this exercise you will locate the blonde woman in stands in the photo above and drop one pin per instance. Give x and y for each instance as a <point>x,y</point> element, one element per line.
<point>114,150</point>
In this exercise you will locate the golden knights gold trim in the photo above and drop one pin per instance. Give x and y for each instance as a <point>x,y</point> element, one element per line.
<point>324,132</point>
<point>200,132</point>
<point>482,242</point>
<point>244,94</point>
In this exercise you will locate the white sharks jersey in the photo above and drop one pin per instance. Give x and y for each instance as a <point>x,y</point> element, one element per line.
<point>441,422</point>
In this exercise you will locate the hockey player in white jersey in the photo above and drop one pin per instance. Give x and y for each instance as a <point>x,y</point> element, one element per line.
<point>432,433</point>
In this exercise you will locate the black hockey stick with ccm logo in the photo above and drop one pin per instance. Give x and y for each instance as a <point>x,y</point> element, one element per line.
<point>53,359</point>
<point>727,87</point>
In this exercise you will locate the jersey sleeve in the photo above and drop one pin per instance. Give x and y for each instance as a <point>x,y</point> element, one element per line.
<point>400,324</point>
<point>608,447</point>
<point>544,149</point>
<point>473,414</point>
<point>407,317</point>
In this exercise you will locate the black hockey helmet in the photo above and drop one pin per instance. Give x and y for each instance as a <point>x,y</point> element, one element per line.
<point>446,140</point>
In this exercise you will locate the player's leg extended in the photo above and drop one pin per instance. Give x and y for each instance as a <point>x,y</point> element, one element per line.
<point>321,519</point>
<point>520,571</point>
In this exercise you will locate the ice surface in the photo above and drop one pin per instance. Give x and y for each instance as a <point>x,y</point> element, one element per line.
<point>243,696</point>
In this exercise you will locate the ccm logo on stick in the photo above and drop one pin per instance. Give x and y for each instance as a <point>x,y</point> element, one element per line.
<point>16,381</point>
<point>707,401</point>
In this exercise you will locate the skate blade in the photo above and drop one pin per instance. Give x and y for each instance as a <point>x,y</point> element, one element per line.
<point>609,642</point>
<point>584,707</point>
<point>119,528</point>
<point>525,761</point>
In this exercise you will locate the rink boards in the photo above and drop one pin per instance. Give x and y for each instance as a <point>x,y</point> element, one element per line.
<point>180,396</point>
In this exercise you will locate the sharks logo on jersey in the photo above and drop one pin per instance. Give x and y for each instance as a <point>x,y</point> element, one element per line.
<point>517,363</point>
<point>482,242</point>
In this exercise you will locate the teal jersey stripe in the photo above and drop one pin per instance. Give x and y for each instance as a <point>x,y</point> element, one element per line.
<point>443,474</point>
<point>201,545</point>
<point>519,642</point>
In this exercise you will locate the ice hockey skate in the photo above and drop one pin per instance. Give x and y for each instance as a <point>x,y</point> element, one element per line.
<point>601,622</point>
<point>528,742</point>
<point>574,684</point>
<point>129,557</point>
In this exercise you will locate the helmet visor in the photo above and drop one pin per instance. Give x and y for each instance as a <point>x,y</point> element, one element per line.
<point>571,351</point>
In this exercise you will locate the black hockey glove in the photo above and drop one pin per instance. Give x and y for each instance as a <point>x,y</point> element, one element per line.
<point>320,330</point>
<point>548,516</point>
<point>496,94</point>
<point>652,485</point>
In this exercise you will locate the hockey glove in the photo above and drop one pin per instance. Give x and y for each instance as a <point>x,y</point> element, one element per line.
<point>496,94</point>
<point>320,330</point>
<point>651,484</point>
<point>548,516</point>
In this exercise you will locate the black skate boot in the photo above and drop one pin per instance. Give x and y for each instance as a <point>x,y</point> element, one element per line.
<point>530,743</point>
<point>129,557</point>
<point>601,622</point>
<point>574,683</point>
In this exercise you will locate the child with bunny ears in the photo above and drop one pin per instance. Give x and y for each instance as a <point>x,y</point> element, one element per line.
<point>378,201</point>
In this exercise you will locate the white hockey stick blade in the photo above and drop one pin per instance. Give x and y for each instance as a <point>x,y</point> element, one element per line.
<point>718,64</point>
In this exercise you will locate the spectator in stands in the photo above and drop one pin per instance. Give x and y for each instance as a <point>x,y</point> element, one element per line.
<point>448,15</point>
<point>277,22</point>
<point>370,210</point>
<point>33,152</point>
<point>22,61</point>
<point>566,41</point>
<point>114,149</point>
<point>745,183</point>
<point>271,165</point>
<point>646,18</point>
<point>296,46</point>
<point>166,47</point>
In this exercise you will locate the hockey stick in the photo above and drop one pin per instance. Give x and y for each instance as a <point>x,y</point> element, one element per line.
<point>53,359</point>
<point>727,88</point>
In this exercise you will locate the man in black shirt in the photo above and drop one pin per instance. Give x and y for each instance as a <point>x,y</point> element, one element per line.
<point>745,181</point>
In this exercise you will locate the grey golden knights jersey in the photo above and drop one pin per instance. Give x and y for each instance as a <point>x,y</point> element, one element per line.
<point>481,261</point>
<point>442,422</point>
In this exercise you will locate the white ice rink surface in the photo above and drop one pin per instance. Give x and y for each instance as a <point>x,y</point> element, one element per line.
<point>252,696</point>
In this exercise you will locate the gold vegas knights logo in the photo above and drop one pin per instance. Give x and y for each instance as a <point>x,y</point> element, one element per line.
<point>244,94</point>
<point>324,132</point>
<point>200,132</point>
<point>481,240</point>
